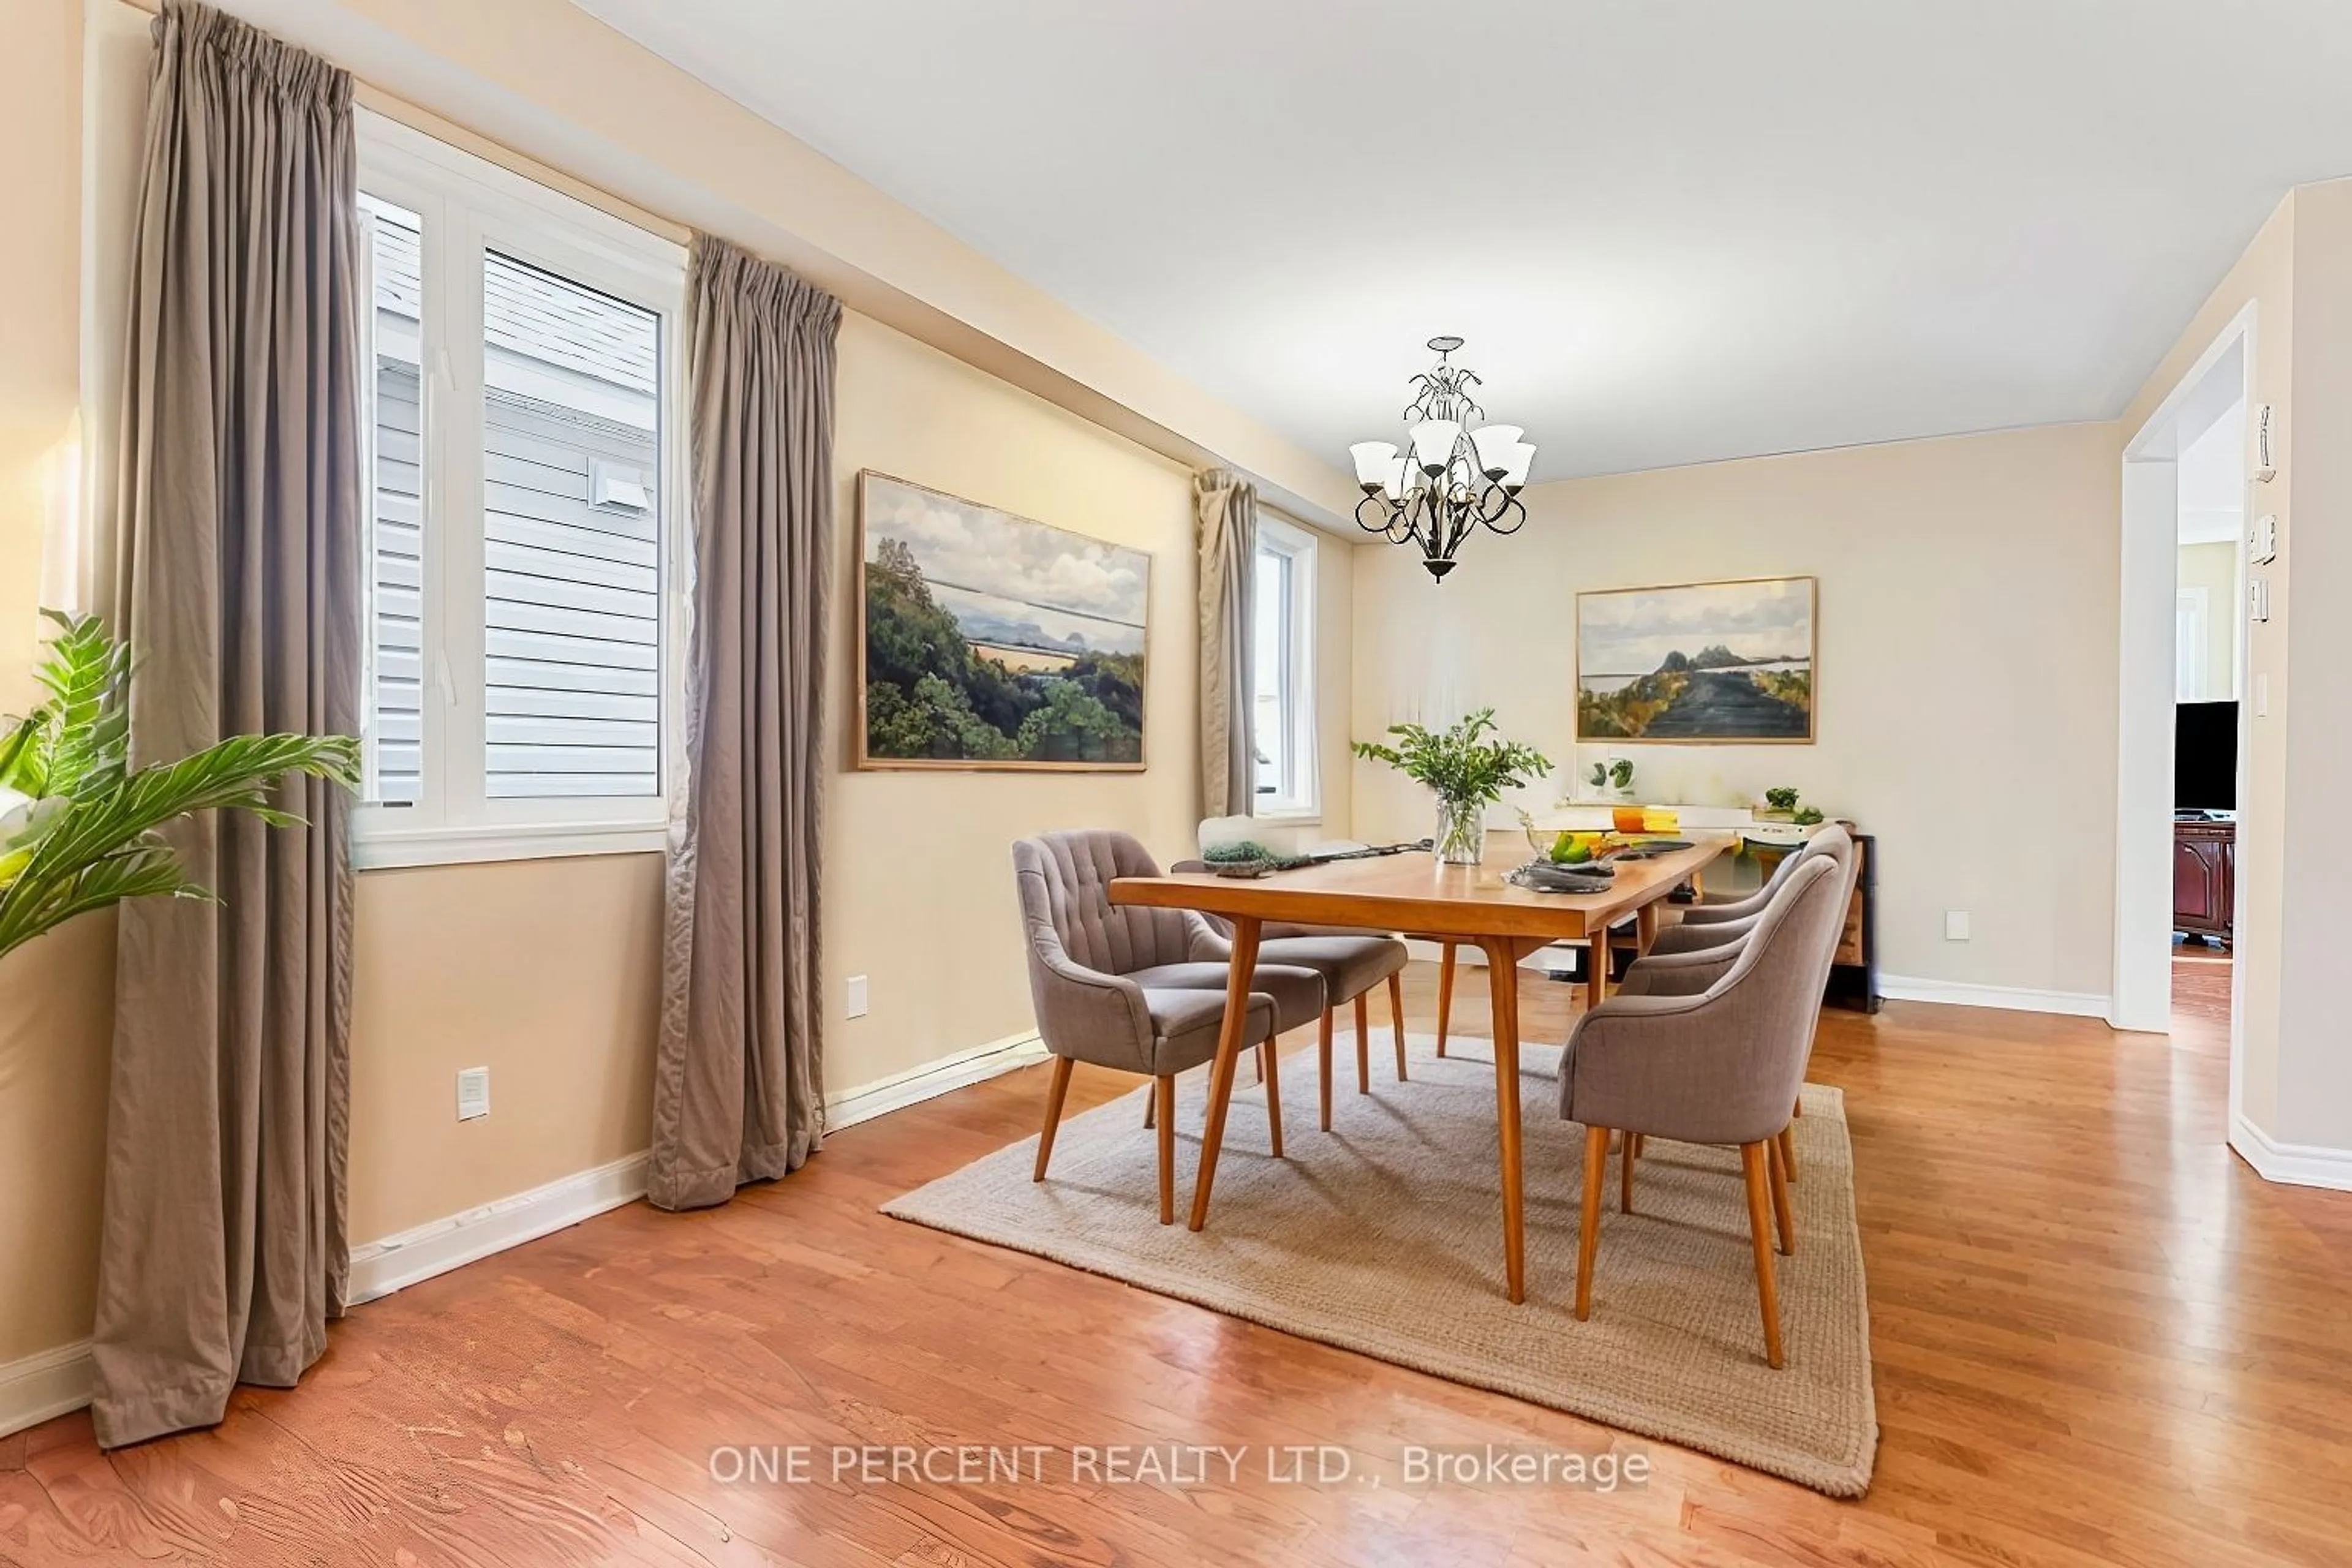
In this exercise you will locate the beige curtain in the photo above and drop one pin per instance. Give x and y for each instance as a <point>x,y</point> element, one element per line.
<point>222,1252</point>
<point>1225,506</point>
<point>738,1086</point>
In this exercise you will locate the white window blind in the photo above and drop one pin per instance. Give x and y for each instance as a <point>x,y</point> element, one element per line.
<point>524,614</point>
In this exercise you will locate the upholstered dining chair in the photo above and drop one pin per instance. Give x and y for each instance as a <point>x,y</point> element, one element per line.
<point>1717,1063</point>
<point>1351,963</point>
<point>1712,925</point>
<point>1719,927</point>
<point>1130,988</point>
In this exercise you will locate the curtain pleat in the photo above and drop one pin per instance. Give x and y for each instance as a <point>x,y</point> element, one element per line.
<point>1226,510</point>
<point>738,1088</point>
<point>222,1252</point>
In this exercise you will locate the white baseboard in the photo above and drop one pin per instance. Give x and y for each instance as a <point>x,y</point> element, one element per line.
<point>380,1267</point>
<point>44,1385</point>
<point>2294,1164</point>
<point>897,1091</point>
<point>1954,994</point>
<point>50,1383</point>
<point>1470,955</point>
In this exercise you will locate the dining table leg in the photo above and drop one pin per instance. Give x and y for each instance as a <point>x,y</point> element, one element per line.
<point>1503,979</point>
<point>1242,966</point>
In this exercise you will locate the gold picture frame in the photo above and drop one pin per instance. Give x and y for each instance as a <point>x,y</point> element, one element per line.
<point>1743,682</point>
<point>1086,712</point>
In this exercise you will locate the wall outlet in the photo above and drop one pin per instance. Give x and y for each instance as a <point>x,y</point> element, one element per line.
<point>857,997</point>
<point>1955,925</point>
<point>473,1093</point>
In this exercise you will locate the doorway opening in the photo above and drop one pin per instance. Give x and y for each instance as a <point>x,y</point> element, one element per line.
<point>2184,708</point>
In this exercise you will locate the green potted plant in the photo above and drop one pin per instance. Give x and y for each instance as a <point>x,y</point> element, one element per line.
<point>78,824</point>
<point>1779,804</point>
<point>1612,778</point>
<point>1467,771</point>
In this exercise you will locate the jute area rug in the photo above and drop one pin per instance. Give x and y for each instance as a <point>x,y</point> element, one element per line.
<point>1384,1236</point>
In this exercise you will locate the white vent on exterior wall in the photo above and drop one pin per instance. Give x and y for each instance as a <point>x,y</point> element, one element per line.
<point>610,484</point>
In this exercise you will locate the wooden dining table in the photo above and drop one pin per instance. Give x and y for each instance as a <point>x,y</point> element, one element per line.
<point>1413,894</point>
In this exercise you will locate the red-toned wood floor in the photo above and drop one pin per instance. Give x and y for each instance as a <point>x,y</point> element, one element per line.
<point>2099,1339</point>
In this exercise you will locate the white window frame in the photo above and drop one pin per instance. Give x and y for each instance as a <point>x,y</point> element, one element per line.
<point>1304,801</point>
<point>470,206</point>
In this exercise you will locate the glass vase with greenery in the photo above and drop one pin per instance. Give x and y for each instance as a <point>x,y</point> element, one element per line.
<point>79,824</point>
<point>1464,769</point>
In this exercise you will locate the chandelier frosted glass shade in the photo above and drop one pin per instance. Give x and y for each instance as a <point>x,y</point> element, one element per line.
<point>1451,480</point>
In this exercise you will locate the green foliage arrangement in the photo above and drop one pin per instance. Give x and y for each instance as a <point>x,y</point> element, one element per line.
<point>1242,854</point>
<point>1806,816</point>
<point>1783,798</point>
<point>78,825</point>
<point>931,694</point>
<point>1461,767</point>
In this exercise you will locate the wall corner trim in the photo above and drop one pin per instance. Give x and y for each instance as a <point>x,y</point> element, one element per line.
<point>1956,993</point>
<point>2291,1164</point>
<point>43,1385</point>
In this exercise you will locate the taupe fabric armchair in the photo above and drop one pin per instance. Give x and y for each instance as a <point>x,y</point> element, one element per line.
<point>1136,989</point>
<point>1712,925</point>
<point>1351,963</point>
<point>1721,1064</point>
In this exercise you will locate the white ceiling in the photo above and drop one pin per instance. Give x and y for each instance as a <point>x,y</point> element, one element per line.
<point>1673,231</point>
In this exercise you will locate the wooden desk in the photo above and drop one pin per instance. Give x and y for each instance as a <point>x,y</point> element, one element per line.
<point>1411,894</point>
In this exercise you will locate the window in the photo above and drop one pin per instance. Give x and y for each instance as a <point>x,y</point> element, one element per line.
<point>525,563</point>
<point>1282,719</point>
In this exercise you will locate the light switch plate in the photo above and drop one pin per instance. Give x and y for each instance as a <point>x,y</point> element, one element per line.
<point>857,1003</point>
<point>1955,925</point>
<point>473,1093</point>
<point>2262,540</point>
<point>2258,598</point>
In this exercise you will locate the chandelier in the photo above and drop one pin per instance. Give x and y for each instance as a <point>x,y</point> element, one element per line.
<point>1451,478</point>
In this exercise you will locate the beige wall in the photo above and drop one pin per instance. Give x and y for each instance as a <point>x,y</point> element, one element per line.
<point>544,971</point>
<point>2214,568</point>
<point>2315,1048</point>
<point>54,1018</point>
<point>1967,669</point>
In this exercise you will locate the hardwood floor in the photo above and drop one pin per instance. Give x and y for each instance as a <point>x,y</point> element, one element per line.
<point>2099,1339</point>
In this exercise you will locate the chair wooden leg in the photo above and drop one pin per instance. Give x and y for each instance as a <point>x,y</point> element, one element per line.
<point>1323,1066</point>
<point>1150,1110</point>
<point>1754,1162</point>
<point>1396,1019</point>
<point>1054,1091</point>
<point>1163,1094</point>
<point>1263,1052</point>
<point>1444,993</point>
<point>1626,1156</point>
<point>1782,1222</point>
<point>1587,1236</point>
<point>1786,1144</point>
<point>1268,1060</point>
<point>1363,1046</point>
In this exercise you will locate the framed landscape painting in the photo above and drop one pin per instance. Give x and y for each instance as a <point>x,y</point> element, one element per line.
<point>986,640</point>
<point>1704,662</point>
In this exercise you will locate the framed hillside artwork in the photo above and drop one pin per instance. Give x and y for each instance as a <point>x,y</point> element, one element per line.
<point>1701,663</point>
<point>986,640</point>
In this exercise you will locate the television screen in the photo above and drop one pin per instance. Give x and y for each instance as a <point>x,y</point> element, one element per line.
<point>2205,756</point>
